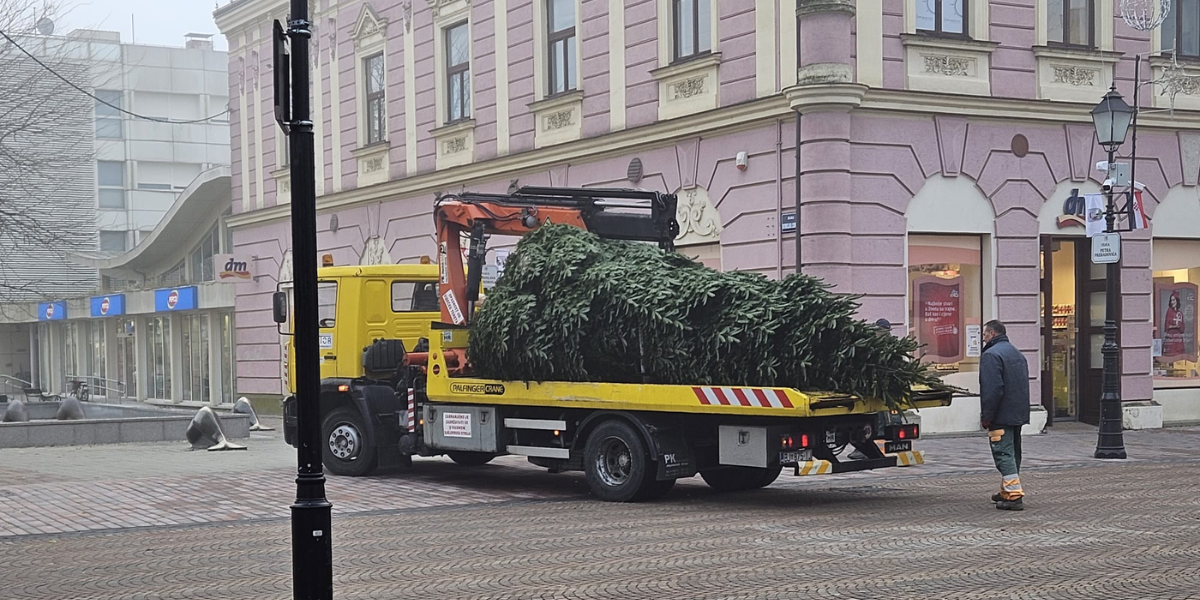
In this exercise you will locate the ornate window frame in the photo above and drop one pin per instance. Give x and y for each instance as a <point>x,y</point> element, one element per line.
<point>978,21</point>
<point>1103,14</point>
<point>1073,73</point>
<point>559,117</point>
<point>455,141</point>
<point>541,43</point>
<point>690,85</point>
<point>370,39</point>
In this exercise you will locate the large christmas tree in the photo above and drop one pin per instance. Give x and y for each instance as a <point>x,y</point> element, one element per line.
<point>574,307</point>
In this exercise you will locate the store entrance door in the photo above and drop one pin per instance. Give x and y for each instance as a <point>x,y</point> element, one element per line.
<point>1072,295</point>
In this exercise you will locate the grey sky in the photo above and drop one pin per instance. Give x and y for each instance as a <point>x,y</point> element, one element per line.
<point>154,22</point>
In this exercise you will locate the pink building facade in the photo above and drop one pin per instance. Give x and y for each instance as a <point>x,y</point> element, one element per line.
<point>942,159</point>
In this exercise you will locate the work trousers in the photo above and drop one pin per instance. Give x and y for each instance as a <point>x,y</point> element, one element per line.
<point>1006,451</point>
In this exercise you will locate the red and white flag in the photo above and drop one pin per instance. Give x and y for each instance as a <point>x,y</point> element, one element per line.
<point>1137,211</point>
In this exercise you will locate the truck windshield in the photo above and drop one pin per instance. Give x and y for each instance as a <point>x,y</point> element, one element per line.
<point>326,303</point>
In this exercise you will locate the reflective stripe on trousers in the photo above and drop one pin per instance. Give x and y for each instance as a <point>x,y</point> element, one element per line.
<point>1011,488</point>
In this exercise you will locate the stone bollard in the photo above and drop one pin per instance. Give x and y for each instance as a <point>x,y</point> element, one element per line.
<point>71,409</point>
<point>16,412</point>
<point>242,406</point>
<point>205,432</point>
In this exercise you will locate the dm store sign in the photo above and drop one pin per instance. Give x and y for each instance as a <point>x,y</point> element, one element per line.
<point>175,299</point>
<point>52,311</point>
<point>108,306</point>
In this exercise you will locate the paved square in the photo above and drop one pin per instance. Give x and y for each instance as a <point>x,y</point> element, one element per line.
<point>157,521</point>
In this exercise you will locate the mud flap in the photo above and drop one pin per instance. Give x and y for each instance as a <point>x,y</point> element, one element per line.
<point>673,455</point>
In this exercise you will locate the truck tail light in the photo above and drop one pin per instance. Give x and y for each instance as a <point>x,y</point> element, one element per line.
<point>343,388</point>
<point>793,441</point>
<point>904,432</point>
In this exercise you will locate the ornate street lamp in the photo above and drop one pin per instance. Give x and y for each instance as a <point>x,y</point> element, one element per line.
<point>1111,118</point>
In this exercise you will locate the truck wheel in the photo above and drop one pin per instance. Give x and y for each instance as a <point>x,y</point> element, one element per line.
<point>733,479</point>
<point>471,459</point>
<point>616,463</point>
<point>346,449</point>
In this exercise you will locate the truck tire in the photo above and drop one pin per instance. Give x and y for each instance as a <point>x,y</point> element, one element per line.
<point>617,466</point>
<point>345,446</point>
<point>734,479</point>
<point>471,459</point>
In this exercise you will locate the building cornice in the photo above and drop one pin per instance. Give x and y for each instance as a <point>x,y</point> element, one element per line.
<point>725,120</point>
<point>238,14</point>
<point>897,101</point>
<point>715,122</point>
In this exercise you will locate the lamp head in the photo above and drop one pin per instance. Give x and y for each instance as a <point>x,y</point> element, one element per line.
<point>1112,117</point>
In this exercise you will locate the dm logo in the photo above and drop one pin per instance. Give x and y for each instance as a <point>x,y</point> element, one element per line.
<point>172,299</point>
<point>104,306</point>
<point>1072,212</point>
<point>235,268</point>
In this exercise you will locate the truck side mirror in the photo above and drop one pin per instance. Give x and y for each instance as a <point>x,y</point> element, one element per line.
<point>279,307</point>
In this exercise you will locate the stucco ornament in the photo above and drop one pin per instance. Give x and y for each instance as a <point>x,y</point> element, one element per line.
<point>699,221</point>
<point>438,6</point>
<point>406,14</point>
<point>368,24</point>
<point>375,252</point>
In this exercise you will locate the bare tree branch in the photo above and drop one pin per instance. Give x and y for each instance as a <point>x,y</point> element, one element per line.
<point>47,163</point>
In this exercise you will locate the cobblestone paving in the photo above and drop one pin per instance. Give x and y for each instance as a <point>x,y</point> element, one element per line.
<point>173,526</point>
<point>1088,533</point>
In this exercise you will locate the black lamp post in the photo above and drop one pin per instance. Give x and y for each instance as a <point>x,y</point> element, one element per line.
<point>312,514</point>
<point>1111,118</point>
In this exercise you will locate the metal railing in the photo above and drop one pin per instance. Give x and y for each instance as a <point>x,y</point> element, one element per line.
<point>92,385</point>
<point>13,385</point>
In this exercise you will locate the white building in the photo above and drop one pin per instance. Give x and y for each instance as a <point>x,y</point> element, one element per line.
<point>143,165</point>
<point>136,174</point>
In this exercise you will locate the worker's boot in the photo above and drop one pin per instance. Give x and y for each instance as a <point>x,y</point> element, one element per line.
<point>1017,504</point>
<point>997,497</point>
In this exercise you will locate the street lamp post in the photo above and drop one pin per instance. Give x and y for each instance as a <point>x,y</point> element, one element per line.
<point>312,542</point>
<point>1111,118</point>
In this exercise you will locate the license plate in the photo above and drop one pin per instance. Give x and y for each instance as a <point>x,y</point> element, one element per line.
<point>894,447</point>
<point>791,457</point>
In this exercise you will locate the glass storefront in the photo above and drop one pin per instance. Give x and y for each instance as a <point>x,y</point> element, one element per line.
<point>45,349</point>
<point>70,350</point>
<point>97,358</point>
<point>194,358</point>
<point>945,300</point>
<point>127,372</point>
<point>158,357</point>
<point>228,364</point>
<point>1174,345</point>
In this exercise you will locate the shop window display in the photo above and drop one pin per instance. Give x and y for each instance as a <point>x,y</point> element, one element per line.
<point>945,300</point>
<point>1176,279</point>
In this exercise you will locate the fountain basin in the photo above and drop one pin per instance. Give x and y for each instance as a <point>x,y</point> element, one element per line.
<point>109,424</point>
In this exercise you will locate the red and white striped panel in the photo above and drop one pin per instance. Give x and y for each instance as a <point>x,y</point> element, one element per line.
<point>723,396</point>
<point>412,412</point>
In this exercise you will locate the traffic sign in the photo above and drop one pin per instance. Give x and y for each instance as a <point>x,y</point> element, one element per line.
<point>1106,248</point>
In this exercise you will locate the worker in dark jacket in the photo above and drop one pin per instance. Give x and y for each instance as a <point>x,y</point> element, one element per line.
<point>1004,408</point>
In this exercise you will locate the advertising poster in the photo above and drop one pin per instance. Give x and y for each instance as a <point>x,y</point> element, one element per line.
<point>1175,320</point>
<point>940,318</point>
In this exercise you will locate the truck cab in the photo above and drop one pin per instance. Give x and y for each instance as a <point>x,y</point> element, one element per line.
<point>359,304</point>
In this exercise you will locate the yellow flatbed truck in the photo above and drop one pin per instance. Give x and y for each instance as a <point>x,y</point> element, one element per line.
<point>417,397</point>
